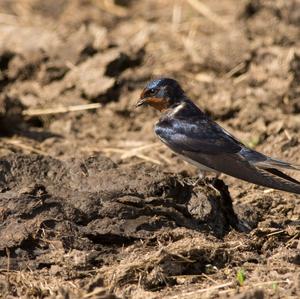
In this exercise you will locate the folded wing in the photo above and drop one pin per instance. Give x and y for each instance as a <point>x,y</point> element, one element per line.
<point>205,142</point>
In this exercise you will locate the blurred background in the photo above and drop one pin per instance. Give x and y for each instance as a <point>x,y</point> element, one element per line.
<point>238,60</point>
<point>71,72</point>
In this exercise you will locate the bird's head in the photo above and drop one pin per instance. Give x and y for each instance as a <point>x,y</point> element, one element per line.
<point>161,94</point>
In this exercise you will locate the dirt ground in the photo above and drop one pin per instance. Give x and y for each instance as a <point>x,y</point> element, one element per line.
<point>92,205</point>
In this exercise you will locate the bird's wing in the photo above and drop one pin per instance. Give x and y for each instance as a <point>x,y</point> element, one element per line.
<point>207,143</point>
<point>196,135</point>
<point>269,162</point>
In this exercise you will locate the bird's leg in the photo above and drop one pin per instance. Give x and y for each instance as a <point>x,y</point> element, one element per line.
<point>214,182</point>
<point>215,179</point>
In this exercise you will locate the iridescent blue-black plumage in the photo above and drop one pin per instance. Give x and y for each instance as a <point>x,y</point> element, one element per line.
<point>167,88</point>
<point>189,129</point>
<point>189,132</point>
<point>161,93</point>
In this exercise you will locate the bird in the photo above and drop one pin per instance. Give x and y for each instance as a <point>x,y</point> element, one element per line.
<point>199,140</point>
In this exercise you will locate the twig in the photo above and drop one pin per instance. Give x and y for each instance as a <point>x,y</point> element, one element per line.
<point>276,233</point>
<point>112,150</point>
<point>55,110</point>
<point>235,70</point>
<point>131,143</point>
<point>206,12</point>
<point>134,151</point>
<point>209,278</point>
<point>240,78</point>
<point>146,158</point>
<point>164,158</point>
<point>110,7</point>
<point>122,151</point>
<point>24,146</point>
<point>176,15</point>
<point>6,270</point>
<point>292,239</point>
<point>287,134</point>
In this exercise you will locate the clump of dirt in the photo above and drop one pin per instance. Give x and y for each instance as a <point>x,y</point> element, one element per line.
<point>93,207</point>
<point>90,203</point>
<point>101,201</point>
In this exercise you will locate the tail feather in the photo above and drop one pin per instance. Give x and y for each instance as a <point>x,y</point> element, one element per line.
<point>281,179</point>
<point>282,175</point>
<point>240,167</point>
<point>271,163</point>
<point>278,180</point>
<point>264,162</point>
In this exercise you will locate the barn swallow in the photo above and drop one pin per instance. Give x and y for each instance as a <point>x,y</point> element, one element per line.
<point>195,137</point>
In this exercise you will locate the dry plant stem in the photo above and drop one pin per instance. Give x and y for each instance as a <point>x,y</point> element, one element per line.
<point>110,7</point>
<point>235,70</point>
<point>206,12</point>
<point>134,151</point>
<point>122,151</point>
<point>23,146</point>
<point>56,110</point>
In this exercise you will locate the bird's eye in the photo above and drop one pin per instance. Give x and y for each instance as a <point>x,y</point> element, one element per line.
<point>151,91</point>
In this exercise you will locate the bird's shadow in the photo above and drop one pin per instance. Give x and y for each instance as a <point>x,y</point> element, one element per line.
<point>227,207</point>
<point>213,212</point>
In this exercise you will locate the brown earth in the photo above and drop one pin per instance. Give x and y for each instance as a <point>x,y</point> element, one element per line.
<point>91,204</point>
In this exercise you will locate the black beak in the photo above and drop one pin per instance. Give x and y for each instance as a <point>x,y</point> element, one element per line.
<point>141,102</point>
